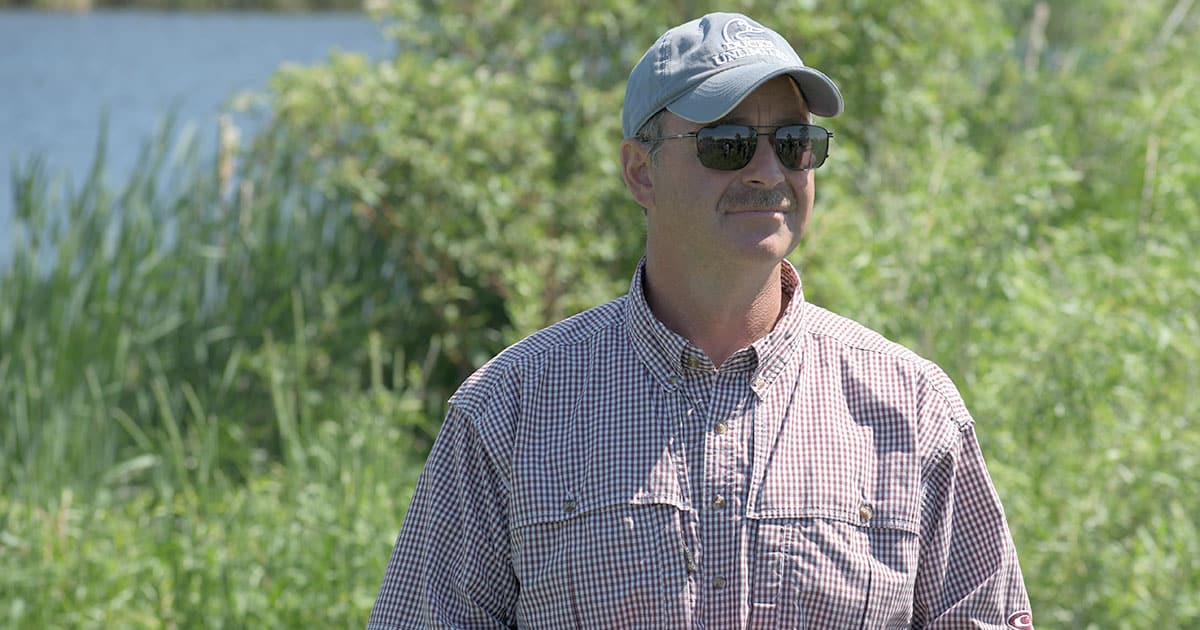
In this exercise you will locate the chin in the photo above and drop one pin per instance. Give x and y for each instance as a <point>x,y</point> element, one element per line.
<point>769,250</point>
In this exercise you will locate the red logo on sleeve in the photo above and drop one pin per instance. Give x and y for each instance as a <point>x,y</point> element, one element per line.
<point>1021,620</point>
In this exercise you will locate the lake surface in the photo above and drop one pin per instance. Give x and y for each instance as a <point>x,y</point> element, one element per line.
<point>60,72</point>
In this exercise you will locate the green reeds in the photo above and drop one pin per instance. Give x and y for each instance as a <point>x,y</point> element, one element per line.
<point>142,330</point>
<point>194,427</point>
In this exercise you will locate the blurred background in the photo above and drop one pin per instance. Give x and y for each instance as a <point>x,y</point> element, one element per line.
<point>247,251</point>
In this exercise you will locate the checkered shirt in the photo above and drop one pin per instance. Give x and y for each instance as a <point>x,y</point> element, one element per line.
<point>602,473</point>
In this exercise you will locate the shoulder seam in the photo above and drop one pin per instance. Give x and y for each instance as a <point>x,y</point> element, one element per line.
<point>581,336</point>
<point>530,350</point>
<point>930,371</point>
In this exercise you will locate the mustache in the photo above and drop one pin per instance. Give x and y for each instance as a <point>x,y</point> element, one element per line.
<point>744,197</point>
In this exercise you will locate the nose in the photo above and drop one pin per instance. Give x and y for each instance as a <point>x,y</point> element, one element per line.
<point>764,169</point>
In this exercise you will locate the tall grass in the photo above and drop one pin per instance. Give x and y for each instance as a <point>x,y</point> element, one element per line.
<point>199,424</point>
<point>122,312</point>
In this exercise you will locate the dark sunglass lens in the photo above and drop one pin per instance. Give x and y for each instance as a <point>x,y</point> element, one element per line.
<point>801,147</point>
<point>726,147</point>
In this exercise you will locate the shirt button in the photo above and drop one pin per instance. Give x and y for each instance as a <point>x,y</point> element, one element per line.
<point>693,362</point>
<point>569,505</point>
<point>720,428</point>
<point>865,512</point>
<point>718,502</point>
<point>718,582</point>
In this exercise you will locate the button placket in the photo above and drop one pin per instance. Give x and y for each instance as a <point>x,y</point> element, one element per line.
<point>689,562</point>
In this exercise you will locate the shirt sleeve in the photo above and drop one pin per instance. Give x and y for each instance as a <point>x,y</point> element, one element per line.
<point>450,566</point>
<point>968,575</point>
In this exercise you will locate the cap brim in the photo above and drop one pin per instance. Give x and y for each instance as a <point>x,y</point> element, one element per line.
<point>720,94</point>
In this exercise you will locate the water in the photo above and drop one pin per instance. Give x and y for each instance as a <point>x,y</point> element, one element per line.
<point>59,73</point>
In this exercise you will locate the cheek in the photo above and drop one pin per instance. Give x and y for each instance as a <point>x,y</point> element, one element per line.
<point>802,185</point>
<point>681,189</point>
<point>802,182</point>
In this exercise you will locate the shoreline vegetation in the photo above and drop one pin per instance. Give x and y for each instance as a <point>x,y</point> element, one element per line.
<point>219,380</point>
<point>283,6</point>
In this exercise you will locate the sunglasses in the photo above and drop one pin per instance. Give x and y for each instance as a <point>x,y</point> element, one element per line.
<point>731,147</point>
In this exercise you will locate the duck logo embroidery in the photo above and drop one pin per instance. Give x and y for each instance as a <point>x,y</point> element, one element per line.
<point>743,38</point>
<point>739,30</point>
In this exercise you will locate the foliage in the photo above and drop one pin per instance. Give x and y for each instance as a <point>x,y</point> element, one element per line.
<point>501,210</point>
<point>1011,193</point>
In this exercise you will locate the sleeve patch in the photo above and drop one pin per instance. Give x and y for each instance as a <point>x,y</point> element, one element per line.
<point>1021,620</point>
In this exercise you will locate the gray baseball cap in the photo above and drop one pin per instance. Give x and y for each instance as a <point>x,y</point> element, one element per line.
<point>701,70</point>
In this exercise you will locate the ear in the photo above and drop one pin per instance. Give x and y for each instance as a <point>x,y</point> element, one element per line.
<point>635,168</point>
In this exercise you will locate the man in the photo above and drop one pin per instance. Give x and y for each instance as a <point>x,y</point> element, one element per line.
<point>709,450</point>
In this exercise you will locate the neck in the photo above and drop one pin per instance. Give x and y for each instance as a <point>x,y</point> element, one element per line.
<point>718,308</point>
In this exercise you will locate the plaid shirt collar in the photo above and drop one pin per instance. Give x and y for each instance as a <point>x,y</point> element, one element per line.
<point>670,357</point>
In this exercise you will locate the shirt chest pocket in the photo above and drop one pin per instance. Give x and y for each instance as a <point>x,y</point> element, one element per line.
<point>588,559</point>
<point>836,534</point>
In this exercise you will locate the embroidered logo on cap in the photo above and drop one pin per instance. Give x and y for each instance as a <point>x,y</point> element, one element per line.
<point>740,30</point>
<point>1021,620</point>
<point>743,39</point>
